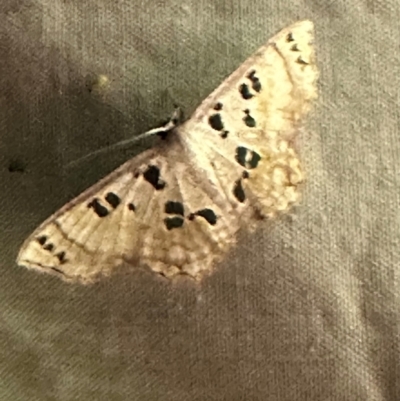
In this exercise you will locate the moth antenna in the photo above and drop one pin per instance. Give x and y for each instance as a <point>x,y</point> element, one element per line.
<point>170,125</point>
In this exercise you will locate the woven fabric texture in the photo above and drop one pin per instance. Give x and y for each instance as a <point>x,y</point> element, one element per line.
<point>306,308</point>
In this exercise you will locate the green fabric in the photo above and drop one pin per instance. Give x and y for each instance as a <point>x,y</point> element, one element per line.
<point>307,308</point>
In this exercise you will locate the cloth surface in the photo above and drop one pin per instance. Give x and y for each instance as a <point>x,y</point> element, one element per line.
<point>306,308</point>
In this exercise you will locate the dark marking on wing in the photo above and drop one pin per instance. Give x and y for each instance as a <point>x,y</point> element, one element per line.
<point>255,82</point>
<point>174,208</point>
<point>48,247</point>
<point>218,106</point>
<point>173,222</point>
<point>255,158</point>
<point>137,174</point>
<point>98,208</point>
<point>289,37</point>
<point>206,214</point>
<point>245,92</point>
<point>42,240</point>
<point>152,176</point>
<point>131,207</point>
<point>238,191</point>
<point>295,48</point>
<point>215,122</point>
<point>245,175</point>
<point>112,199</point>
<point>61,257</point>
<point>246,157</point>
<point>249,120</point>
<point>301,61</point>
<point>241,153</point>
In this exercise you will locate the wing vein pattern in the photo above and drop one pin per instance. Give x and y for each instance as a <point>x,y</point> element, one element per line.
<point>177,208</point>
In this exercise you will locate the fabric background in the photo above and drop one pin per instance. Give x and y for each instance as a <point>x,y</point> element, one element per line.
<point>307,308</point>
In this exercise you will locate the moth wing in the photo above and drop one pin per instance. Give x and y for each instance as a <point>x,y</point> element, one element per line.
<point>148,212</point>
<point>245,130</point>
<point>177,208</point>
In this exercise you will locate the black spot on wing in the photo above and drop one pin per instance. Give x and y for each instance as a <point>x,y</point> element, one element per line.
<point>249,120</point>
<point>240,157</point>
<point>152,176</point>
<point>215,122</point>
<point>245,92</point>
<point>173,222</point>
<point>218,106</point>
<point>246,157</point>
<point>131,207</point>
<point>255,158</point>
<point>48,247</point>
<point>238,191</point>
<point>174,208</point>
<point>98,208</point>
<point>245,175</point>
<point>289,37</point>
<point>61,257</point>
<point>295,48</point>
<point>42,239</point>
<point>206,214</point>
<point>113,199</point>
<point>255,82</point>
<point>301,61</point>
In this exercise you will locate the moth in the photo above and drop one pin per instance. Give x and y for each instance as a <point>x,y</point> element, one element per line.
<point>178,207</point>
